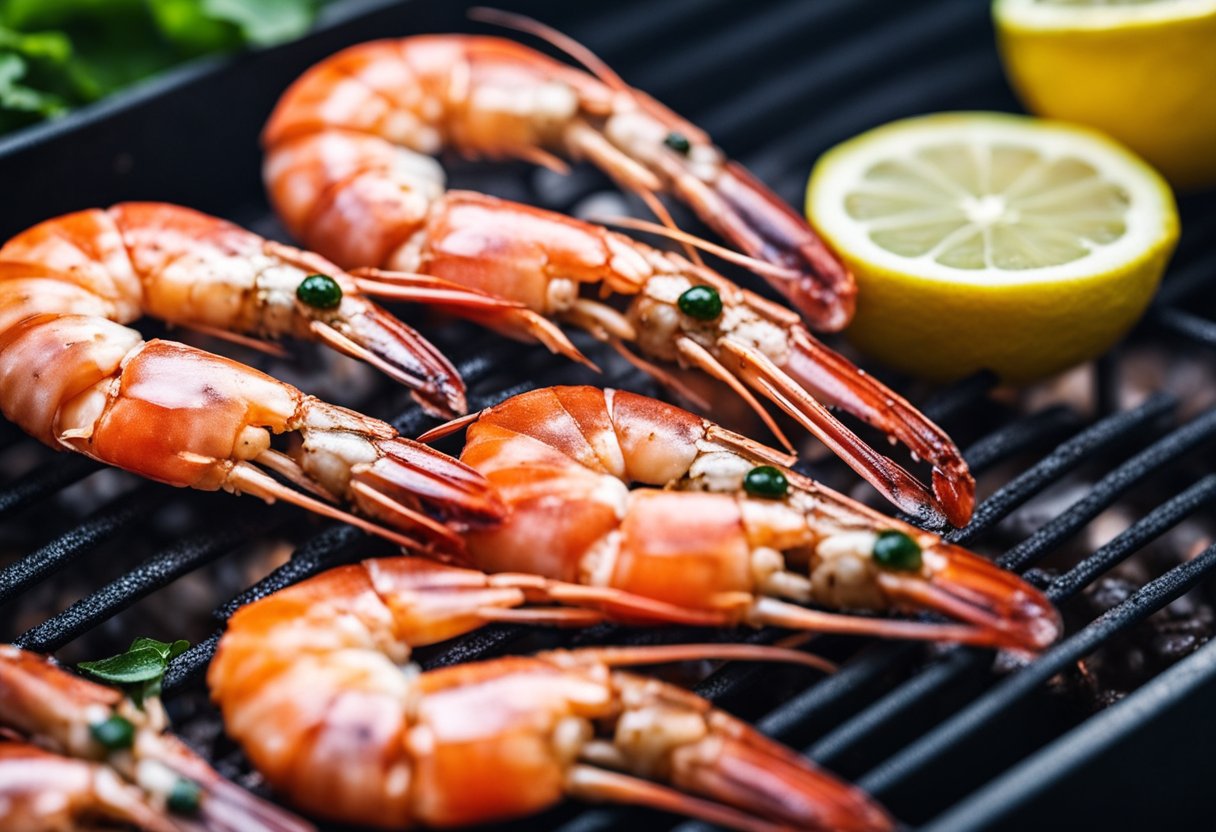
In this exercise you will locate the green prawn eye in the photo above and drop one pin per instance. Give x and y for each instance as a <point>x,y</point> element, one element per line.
<point>185,797</point>
<point>701,302</point>
<point>113,733</point>
<point>766,481</point>
<point>319,291</point>
<point>678,142</point>
<point>897,551</point>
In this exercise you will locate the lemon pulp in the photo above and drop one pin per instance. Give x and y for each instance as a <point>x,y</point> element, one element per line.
<point>988,206</point>
<point>992,241</point>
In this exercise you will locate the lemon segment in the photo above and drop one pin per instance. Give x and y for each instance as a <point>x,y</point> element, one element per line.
<point>1140,70</point>
<point>992,241</point>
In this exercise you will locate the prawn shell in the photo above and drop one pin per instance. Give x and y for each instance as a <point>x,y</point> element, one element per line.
<point>176,432</point>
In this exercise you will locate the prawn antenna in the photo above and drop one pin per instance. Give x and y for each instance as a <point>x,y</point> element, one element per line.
<point>680,236</point>
<point>567,44</point>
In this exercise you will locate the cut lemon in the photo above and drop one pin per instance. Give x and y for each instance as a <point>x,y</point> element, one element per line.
<point>992,241</point>
<point>1141,70</point>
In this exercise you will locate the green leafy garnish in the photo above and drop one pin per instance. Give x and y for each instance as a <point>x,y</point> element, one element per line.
<point>59,54</point>
<point>17,97</point>
<point>141,669</point>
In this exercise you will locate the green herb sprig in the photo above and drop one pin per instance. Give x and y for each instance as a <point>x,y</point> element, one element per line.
<point>59,54</point>
<point>141,670</point>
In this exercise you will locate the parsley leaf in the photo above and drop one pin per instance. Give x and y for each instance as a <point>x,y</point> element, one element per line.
<point>59,54</point>
<point>141,669</point>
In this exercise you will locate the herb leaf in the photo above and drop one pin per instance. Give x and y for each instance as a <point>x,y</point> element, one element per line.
<point>127,668</point>
<point>168,649</point>
<point>19,102</point>
<point>141,669</point>
<point>59,54</point>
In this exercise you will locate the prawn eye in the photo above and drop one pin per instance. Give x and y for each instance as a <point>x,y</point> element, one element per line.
<point>701,302</point>
<point>678,142</point>
<point>766,481</point>
<point>319,291</point>
<point>113,733</point>
<point>896,550</point>
<point>184,797</point>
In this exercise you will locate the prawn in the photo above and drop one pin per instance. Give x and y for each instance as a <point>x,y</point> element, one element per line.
<point>721,530</point>
<point>351,142</point>
<point>341,182</point>
<point>679,313</point>
<point>76,753</point>
<point>201,272</point>
<point>74,377</point>
<point>310,683</point>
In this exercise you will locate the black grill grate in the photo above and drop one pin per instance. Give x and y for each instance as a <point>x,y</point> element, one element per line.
<point>946,740</point>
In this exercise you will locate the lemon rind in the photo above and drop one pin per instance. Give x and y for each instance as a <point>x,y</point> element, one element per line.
<point>1033,15</point>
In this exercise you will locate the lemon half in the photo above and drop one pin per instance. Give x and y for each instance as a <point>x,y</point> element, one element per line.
<point>992,241</point>
<point>1141,70</point>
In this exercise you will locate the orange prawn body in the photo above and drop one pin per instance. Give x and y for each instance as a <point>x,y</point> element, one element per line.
<point>350,172</point>
<point>350,141</point>
<point>191,269</point>
<point>83,792</point>
<point>75,377</point>
<point>55,774</point>
<point>563,459</point>
<point>311,683</point>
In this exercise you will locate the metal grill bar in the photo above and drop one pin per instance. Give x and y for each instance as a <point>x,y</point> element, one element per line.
<point>1162,709</point>
<point>1148,528</point>
<point>950,402</point>
<point>969,725</point>
<point>1190,326</point>
<point>44,482</point>
<point>1019,437</point>
<point>189,668</point>
<point>1063,459</point>
<point>774,31</point>
<point>141,581</point>
<point>907,39</point>
<point>1104,493</point>
<point>84,538</point>
<point>950,80</point>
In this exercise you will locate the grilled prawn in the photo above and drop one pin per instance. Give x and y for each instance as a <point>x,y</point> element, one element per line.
<point>681,313</point>
<point>341,184</point>
<point>197,271</point>
<point>349,145</point>
<point>720,531</point>
<point>82,755</point>
<point>310,682</point>
<point>75,378</point>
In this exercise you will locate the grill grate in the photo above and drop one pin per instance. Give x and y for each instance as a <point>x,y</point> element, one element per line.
<point>945,739</point>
